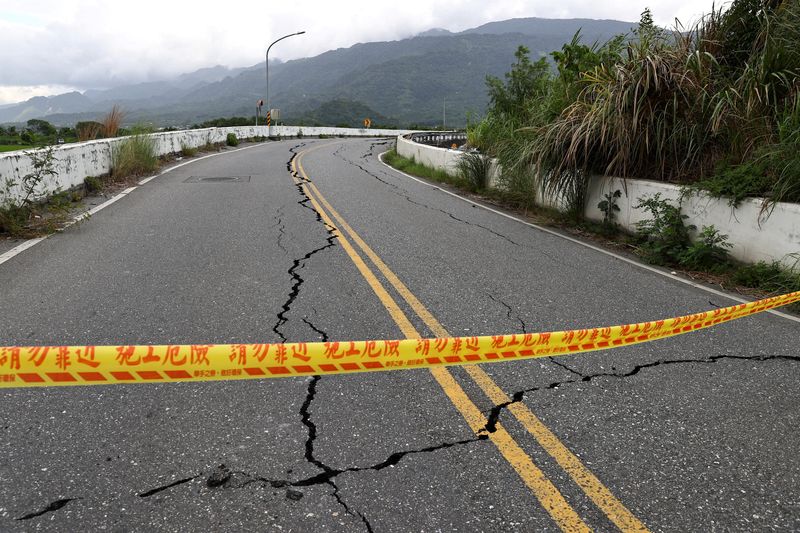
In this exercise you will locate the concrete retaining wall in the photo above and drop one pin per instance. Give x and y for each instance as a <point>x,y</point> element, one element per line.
<point>754,238</point>
<point>73,162</point>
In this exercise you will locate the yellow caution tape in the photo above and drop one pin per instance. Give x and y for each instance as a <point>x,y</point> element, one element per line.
<point>46,366</point>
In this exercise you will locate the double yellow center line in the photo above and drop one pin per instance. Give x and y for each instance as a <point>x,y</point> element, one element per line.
<point>545,491</point>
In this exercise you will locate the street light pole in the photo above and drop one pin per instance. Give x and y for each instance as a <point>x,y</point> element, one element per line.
<point>267,68</point>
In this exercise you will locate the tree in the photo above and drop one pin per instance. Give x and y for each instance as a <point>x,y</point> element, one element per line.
<point>576,59</point>
<point>525,81</point>
<point>42,127</point>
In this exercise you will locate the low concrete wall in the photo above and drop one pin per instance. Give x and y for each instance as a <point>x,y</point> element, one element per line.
<point>441,158</point>
<point>73,162</point>
<point>754,238</point>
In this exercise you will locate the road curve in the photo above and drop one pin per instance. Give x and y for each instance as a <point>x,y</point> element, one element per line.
<point>696,432</point>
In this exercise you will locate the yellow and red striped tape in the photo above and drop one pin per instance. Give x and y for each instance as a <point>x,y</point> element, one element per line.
<point>46,366</point>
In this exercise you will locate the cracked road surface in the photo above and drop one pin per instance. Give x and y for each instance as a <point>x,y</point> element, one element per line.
<point>697,432</point>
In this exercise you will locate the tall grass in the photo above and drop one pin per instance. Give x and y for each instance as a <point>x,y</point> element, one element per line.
<point>134,156</point>
<point>112,121</point>
<point>475,169</point>
<point>674,106</point>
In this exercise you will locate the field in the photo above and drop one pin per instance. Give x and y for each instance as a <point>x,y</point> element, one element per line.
<point>12,147</point>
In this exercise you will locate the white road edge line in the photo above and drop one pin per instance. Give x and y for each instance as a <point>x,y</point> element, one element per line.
<point>85,215</point>
<point>590,246</point>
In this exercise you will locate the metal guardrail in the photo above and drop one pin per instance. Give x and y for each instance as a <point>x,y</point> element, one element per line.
<point>440,139</point>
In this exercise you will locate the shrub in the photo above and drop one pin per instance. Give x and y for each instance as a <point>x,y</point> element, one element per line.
<point>15,212</point>
<point>93,184</point>
<point>609,206</point>
<point>87,131</point>
<point>231,140</point>
<point>664,238</point>
<point>708,252</point>
<point>610,209</point>
<point>770,277</point>
<point>134,156</point>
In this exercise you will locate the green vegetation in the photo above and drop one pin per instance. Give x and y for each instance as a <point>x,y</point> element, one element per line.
<point>709,252</point>
<point>410,166</point>
<point>12,147</point>
<point>769,277</point>
<point>608,205</point>
<point>188,151</point>
<point>134,156</point>
<point>88,130</point>
<point>227,122</point>
<point>475,168</point>
<point>17,210</point>
<point>664,237</point>
<point>715,105</point>
<point>93,184</point>
<point>231,140</point>
<point>36,133</point>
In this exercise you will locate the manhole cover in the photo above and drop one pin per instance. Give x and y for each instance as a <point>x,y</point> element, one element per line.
<point>217,179</point>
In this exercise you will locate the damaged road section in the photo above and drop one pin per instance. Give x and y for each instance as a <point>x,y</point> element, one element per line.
<point>299,263</point>
<point>51,507</point>
<point>494,414</point>
<point>404,194</point>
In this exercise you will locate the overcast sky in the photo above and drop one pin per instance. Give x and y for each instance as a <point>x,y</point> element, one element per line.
<point>49,46</point>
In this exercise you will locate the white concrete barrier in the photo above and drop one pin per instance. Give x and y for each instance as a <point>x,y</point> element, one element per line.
<point>441,158</point>
<point>753,236</point>
<point>74,162</point>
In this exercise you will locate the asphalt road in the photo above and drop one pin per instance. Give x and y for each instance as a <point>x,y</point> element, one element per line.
<point>698,432</point>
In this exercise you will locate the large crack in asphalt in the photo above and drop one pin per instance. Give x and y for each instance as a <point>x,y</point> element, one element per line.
<point>399,191</point>
<point>305,414</point>
<point>162,488</point>
<point>49,508</point>
<point>518,396</point>
<point>299,263</point>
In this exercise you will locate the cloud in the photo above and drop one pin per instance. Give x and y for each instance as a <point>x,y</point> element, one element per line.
<point>90,44</point>
<point>17,93</point>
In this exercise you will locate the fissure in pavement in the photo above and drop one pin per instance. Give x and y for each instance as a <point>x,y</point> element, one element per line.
<point>299,263</point>
<point>402,193</point>
<point>52,506</point>
<point>518,396</point>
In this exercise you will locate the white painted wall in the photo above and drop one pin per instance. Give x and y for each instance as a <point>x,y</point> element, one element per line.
<point>73,162</point>
<point>441,158</point>
<point>754,237</point>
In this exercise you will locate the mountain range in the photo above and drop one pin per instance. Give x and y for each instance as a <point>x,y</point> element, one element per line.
<point>417,80</point>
